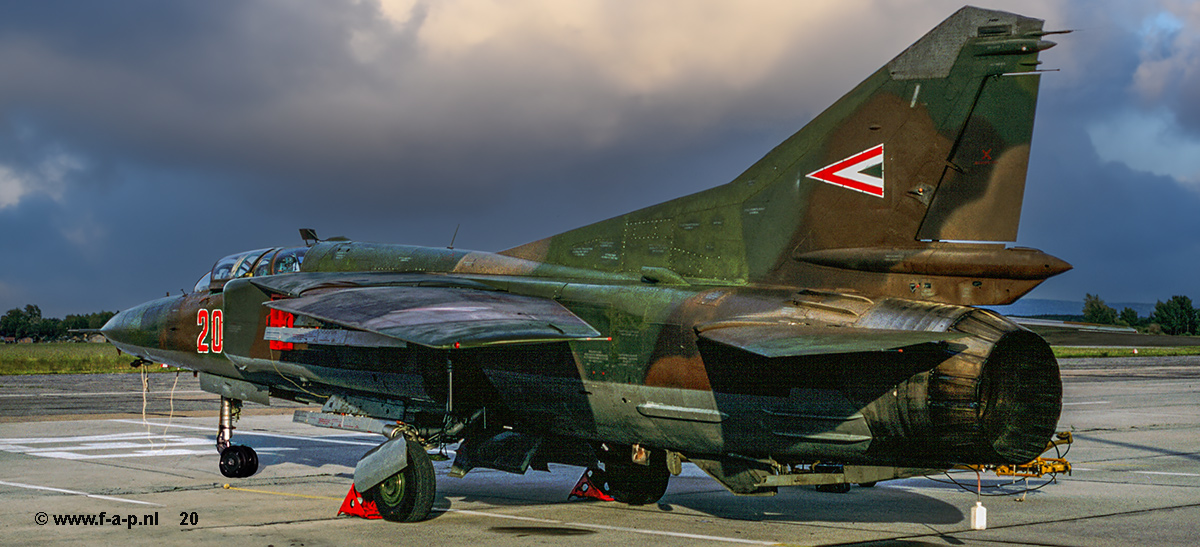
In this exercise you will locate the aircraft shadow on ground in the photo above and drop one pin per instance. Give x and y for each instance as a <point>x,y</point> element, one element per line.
<point>880,504</point>
<point>801,504</point>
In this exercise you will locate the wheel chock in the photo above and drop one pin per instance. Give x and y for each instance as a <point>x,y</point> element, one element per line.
<point>587,488</point>
<point>355,506</point>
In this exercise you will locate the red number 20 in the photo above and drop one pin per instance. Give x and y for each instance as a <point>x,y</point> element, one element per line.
<point>210,322</point>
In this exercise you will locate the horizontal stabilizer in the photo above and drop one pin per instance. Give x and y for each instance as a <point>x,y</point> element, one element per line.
<point>1071,333</point>
<point>783,340</point>
<point>442,317</point>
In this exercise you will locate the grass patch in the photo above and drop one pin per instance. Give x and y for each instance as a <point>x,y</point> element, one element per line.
<point>62,358</point>
<point>1072,351</point>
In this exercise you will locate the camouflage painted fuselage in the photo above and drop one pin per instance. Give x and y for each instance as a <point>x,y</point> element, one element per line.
<point>989,397</point>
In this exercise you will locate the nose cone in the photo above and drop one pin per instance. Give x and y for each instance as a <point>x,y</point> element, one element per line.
<point>140,327</point>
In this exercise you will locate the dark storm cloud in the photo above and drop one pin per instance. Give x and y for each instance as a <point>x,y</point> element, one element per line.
<point>333,94</point>
<point>1153,83</point>
<point>277,93</point>
<point>1169,73</point>
<point>243,85</point>
<point>1129,233</point>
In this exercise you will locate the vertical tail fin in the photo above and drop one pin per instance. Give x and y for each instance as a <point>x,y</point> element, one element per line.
<point>933,146</point>
<point>953,118</point>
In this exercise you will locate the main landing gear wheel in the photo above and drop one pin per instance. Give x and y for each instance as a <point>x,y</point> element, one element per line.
<point>637,484</point>
<point>838,488</point>
<point>238,461</point>
<point>406,496</point>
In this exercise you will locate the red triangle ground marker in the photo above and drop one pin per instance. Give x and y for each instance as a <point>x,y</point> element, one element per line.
<point>586,488</point>
<point>354,505</point>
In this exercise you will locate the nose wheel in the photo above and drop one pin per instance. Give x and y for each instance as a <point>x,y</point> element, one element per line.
<point>236,461</point>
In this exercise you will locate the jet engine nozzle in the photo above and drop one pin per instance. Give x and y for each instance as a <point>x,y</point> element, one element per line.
<point>996,400</point>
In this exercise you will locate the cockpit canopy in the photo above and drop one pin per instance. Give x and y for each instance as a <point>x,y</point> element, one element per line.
<point>258,262</point>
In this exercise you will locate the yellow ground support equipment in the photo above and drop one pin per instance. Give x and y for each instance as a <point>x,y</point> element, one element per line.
<point>1039,466</point>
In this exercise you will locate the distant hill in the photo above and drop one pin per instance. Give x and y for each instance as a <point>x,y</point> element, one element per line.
<point>1031,307</point>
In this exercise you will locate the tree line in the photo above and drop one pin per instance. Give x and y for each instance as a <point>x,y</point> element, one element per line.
<point>28,323</point>
<point>1176,316</point>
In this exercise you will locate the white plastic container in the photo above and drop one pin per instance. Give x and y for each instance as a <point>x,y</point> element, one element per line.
<point>979,516</point>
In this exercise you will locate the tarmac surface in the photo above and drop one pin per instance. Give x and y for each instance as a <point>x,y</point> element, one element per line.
<point>78,445</point>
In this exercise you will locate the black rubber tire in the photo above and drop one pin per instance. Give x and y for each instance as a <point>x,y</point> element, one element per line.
<point>238,461</point>
<point>251,461</point>
<point>636,484</point>
<point>408,495</point>
<point>839,488</point>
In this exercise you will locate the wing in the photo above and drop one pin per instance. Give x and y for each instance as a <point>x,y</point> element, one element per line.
<point>783,340</point>
<point>442,317</point>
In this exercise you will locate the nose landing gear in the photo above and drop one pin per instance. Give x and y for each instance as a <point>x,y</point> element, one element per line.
<point>236,461</point>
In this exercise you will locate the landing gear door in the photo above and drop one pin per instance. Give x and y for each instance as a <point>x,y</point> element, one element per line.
<point>380,463</point>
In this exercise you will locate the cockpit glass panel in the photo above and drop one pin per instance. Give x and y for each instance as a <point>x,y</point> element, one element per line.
<point>289,260</point>
<point>202,285</point>
<point>223,269</point>
<point>257,262</point>
<point>248,260</point>
<point>237,265</point>
<point>264,265</point>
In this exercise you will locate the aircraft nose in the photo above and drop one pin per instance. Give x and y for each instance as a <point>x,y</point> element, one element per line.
<point>139,326</point>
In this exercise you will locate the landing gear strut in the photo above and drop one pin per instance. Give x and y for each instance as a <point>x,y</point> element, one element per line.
<point>236,461</point>
<point>395,479</point>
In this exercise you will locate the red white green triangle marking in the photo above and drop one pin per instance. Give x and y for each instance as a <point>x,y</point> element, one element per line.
<point>849,172</point>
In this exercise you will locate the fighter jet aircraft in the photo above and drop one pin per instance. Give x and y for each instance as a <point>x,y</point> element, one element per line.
<point>810,322</point>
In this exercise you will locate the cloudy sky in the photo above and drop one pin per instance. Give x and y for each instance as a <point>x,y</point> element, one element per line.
<point>142,140</point>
